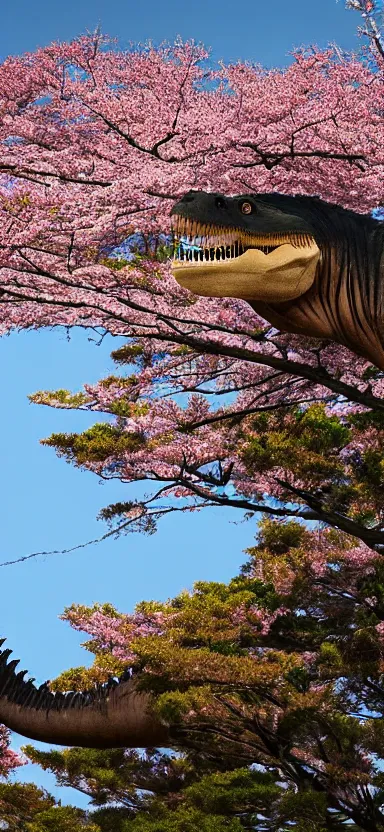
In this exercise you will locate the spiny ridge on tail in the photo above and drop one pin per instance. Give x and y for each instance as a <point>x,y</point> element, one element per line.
<point>23,692</point>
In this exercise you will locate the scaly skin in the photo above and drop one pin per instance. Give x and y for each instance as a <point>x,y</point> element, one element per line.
<point>111,716</point>
<point>324,278</point>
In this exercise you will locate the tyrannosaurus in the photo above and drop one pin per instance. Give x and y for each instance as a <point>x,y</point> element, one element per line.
<point>307,267</point>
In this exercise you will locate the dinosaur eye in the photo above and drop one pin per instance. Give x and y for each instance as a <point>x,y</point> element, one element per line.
<point>246,208</point>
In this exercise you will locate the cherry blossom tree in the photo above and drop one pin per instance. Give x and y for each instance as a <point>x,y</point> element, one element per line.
<point>97,144</point>
<point>284,666</point>
<point>372,14</point>
<point>94,149</point>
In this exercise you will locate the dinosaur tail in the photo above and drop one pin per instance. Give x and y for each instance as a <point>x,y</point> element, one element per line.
<point>114,715</point>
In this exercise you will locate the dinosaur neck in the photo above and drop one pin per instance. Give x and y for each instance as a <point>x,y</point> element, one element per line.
<point>109,717</point>
<point>344,304</point>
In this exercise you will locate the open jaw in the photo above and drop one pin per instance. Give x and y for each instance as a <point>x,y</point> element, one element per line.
<point>216,261</point>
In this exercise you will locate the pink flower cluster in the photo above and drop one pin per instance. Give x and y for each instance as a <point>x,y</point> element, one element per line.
<point>9,759</point>
<point>81,170</point>
<point>114,633</point>
<point>257,618</point>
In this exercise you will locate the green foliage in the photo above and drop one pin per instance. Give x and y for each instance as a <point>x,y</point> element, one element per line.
<point>20,800</point>
<point>60,398</point>
<point>368,418</point>
<point>321,432</point>
<point>104,775</point>
<point>115,263</point>
<point>122,406</point>
<point>307,810</point>
<point>128,354</point>
<point>125,408</point>
<point>118,381</point>
<point>115,510</point>
<point>279,537</point>
<point>97,444</point>
<point>373,462</point>
<point>228,792</point>
<point>184,819</point>
<point>302,441</point>
<point>330,656</point>
<point>61,819</point>
<point>26,808</point>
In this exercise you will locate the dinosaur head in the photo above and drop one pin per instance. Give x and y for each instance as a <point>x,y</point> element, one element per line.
<point>255,247</point>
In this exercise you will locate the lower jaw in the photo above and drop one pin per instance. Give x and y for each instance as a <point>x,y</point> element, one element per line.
<point>284,274</point>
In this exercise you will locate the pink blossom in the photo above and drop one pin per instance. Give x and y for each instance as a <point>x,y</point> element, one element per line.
<point>101,172</point>
<point>9,759</point>
<point>262,618</point>
<point>309,657</point>
<point>380,630</point>
<point>114,633</point>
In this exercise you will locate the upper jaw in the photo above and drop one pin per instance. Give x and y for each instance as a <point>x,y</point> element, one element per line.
<point>217,235</point>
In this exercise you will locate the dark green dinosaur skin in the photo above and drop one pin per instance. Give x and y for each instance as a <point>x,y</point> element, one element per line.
<point>340,297</point>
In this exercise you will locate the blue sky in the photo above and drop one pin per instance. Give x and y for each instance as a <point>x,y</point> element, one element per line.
<point>47,504</point>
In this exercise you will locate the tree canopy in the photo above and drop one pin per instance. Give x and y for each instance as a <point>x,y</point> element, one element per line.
<point>273,686</point>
